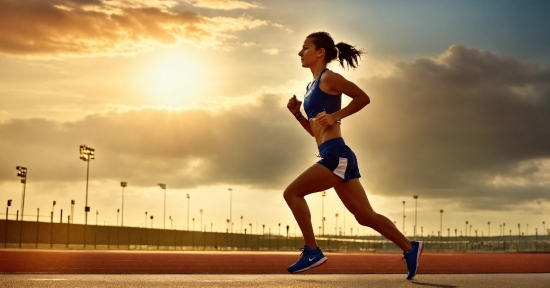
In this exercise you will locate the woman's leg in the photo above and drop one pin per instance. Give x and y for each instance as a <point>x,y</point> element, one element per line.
<point>316,178</point>
<point>355,199</point>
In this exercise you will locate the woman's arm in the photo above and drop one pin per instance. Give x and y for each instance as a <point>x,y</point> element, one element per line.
<point>294,107</point>
<point>305,123</point>
<point>336,84</point>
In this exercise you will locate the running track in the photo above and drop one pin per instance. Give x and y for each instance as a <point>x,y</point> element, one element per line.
<point>124,262</point>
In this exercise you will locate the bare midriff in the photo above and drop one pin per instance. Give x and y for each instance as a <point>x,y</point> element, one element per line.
<point>323,134</point>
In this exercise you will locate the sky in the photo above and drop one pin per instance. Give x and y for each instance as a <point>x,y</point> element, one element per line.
<point>192,94</point>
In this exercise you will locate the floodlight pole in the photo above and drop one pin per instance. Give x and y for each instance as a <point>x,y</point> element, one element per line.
<point>163,187</point>
<point>86,154</point>
<point>23,174</point>
<point>123,184</point>
<point>403,217</point>
<point>24,181</point>
<point>415,210</point>
<point>231,207</point>
<point>72,211</point>
<point>87,178</point>
<point>188,196</point>
<point>440,223</point>
<point>323,211</point>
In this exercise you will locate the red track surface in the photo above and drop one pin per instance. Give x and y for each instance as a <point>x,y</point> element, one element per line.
<point>109,262</point>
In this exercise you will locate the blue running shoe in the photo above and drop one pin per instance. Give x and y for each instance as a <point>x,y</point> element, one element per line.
<point>412,258</point>
<point>309,258</point>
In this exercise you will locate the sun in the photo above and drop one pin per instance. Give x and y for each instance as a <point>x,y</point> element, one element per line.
<point>175,80</point>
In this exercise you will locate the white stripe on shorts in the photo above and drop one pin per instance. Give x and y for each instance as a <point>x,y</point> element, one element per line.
<point>341,169</point>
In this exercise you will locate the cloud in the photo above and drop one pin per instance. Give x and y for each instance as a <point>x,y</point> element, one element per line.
<point>271,51</point>
<point>251,145</point>
<point>222,4</point>
<point>248,44</point>
<point>96,27</point>
<point>468,125</point>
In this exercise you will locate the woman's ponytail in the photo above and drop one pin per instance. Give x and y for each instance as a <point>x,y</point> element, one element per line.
<point>343,52</point>
<point>348,54</point>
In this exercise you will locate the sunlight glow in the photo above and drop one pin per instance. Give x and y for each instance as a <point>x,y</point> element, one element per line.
<point>175,80</point>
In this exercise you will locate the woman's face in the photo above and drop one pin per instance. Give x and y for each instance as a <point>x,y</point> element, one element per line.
<point>308,54</point>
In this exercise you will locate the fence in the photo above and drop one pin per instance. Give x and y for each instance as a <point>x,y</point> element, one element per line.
<point>27,234</point>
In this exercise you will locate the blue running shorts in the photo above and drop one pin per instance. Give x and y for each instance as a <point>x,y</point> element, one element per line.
<point>338,158</point>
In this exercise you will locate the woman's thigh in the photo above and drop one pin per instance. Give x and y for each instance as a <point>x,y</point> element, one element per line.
<point>315,179</point>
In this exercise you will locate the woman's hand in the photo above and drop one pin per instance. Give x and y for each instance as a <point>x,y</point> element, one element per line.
<point>294,105</point>
<point>325,119</point>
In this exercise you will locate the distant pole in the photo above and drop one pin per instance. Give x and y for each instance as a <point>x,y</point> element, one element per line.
<point>37,224</point>
<point>188,196</point>
<point>163,187</point>
<point>415,210</point>
<point>323,212</point>
<point>51,230</point>
<point>403,217</point>
<point>123,185</point>
<point>6,234</point>
<point>489,229</point>
<point>22,172</point>
<point>72,211</point>
<point>336,225</point>
<point>466,229</point>
<point>201,217</point>
<point>87,154</point>
<point>440,223</point>
<point>53,207</point>
<point>231,207</point>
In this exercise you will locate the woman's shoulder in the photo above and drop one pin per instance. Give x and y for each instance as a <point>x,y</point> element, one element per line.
<point>330,77</point>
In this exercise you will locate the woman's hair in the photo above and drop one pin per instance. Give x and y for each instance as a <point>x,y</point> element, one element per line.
<point>343,51</point>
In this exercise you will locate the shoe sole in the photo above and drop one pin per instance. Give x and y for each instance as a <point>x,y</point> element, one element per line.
<point>420,249</point>
<point>316,264</point>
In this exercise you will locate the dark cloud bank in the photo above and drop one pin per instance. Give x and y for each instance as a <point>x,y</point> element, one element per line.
<point>43,28</point>
<point>470,126</point>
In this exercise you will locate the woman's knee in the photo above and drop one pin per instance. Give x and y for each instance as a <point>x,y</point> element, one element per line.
<point>289,195</point>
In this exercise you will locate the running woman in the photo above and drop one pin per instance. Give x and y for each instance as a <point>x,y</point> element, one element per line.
<point>338,166</point>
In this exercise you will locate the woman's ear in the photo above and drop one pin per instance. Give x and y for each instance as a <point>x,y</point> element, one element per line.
<point>320,52</point>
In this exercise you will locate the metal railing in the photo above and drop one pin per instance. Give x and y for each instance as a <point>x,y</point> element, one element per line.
<point>34,234</point>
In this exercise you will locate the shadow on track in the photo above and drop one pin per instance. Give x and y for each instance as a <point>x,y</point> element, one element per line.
<point>434,285</point>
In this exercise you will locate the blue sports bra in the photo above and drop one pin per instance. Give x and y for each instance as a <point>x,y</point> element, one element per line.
<point>317,101</point>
